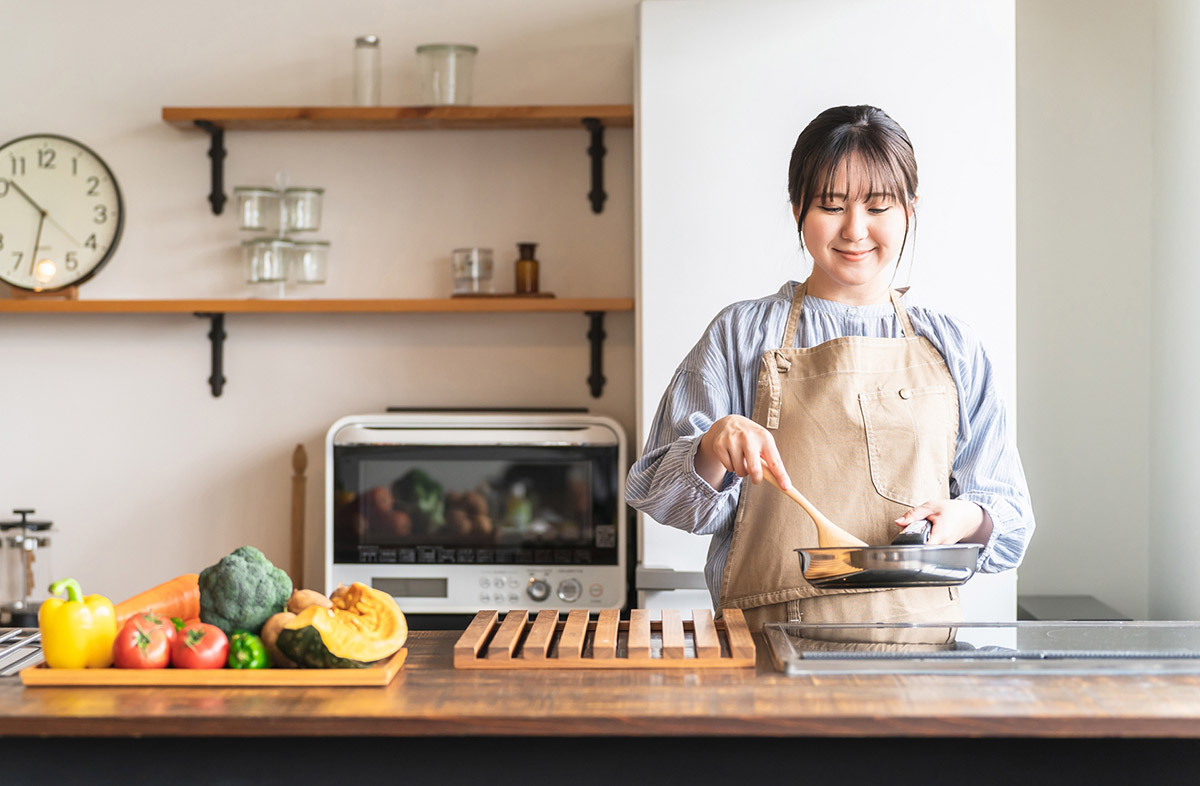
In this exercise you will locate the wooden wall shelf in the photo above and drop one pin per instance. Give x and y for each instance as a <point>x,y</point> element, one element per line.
<point>394,118</point>
<point>342,306</point>
<point>216,120</point>
<point>215,310</point>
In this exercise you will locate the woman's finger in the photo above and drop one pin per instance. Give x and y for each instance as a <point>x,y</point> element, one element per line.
<point>922,511</point>
<point>774,464</point>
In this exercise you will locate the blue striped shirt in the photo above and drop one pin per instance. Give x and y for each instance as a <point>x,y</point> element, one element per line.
<point>719,376</point>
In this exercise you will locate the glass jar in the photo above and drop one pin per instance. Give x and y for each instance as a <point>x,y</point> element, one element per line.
<point>309,261</point>
<point>526,269</point>
<point>257,206</point>
<point>366,71</point>
<point>302,209</point>
<point>446,73</point>
<point>472,269</point>
<point>266,259</point>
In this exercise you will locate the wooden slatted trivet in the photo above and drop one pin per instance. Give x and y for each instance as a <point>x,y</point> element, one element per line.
<point>607,642</point>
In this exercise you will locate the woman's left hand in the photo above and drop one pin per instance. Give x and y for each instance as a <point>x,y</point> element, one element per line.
<point>952,520</point>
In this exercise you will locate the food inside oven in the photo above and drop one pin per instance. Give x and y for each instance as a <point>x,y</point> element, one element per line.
<point>494,508</point>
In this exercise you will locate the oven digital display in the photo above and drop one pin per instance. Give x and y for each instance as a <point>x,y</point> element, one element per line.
<point>475,504</point>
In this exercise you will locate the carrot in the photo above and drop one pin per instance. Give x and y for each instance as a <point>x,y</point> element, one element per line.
<point>179,597</point>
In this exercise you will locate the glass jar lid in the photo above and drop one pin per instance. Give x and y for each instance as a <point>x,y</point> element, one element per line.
<point>267,241</point>
<point>310,243</point>
<point>303,190</point>
<point>447,47</point>
<point>367,40</point>
<point>255,191</point>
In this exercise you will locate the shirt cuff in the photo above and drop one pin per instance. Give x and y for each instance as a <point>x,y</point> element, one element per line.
<point>998,510</point>
<point>729,483</point>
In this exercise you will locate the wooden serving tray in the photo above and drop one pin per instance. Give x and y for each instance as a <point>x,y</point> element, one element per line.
<point>376,676</point>
<point>607,643</point>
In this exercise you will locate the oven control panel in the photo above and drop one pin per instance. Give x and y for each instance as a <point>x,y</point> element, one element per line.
<point>459,589</point>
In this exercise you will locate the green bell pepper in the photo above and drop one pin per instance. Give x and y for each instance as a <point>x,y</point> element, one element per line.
<point>247,651</point>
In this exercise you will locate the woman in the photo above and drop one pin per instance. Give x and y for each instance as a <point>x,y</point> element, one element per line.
<point>882,412</point>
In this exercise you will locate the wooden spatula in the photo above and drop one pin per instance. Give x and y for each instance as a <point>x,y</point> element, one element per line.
<point>829,535</point>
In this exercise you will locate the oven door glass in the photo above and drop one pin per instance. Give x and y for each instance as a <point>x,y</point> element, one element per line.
<point>475,504</point>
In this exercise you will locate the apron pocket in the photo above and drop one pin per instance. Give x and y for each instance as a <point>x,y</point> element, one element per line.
<point>904,467</point>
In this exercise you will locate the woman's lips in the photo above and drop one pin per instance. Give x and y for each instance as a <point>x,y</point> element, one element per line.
<point>855,256</point>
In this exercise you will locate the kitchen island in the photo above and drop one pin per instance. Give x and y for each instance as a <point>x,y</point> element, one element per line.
<point>591,726</point>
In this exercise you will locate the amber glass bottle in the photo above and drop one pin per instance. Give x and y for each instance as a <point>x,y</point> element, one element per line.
<point>527,269</point>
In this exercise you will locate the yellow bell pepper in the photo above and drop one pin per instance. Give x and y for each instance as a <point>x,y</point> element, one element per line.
<point>77,633</point>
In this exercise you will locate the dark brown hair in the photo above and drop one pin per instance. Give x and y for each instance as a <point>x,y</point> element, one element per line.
<point>852,133</point>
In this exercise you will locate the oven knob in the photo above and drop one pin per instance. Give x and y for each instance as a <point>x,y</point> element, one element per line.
<point>569,591</point>
<point>538,589</point>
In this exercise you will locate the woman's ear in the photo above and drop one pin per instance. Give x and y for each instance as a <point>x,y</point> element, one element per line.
<point>912,206</point>
<point>796,213</point>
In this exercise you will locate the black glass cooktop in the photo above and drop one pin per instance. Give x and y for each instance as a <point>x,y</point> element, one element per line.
<point>1018,647</point>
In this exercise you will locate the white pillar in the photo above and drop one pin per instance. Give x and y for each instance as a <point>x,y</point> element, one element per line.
<point>1174,538</point>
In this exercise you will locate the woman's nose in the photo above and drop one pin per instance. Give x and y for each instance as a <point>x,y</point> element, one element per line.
<point>854,225</point>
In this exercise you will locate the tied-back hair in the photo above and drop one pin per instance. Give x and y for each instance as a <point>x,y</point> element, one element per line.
<point>854,135</point>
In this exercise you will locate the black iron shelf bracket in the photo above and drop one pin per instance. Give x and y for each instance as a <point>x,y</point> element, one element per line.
<point>216,337</point>
<point>596,336</point>
<point>216,151</point>
<point>596,152</point>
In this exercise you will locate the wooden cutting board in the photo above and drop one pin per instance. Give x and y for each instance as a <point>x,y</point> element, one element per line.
<point>378,675</point>
<point>607,642</point>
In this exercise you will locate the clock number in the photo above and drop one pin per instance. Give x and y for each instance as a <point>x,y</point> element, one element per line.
<point>18,164</point>
<point>74,166</point>
<point>101,214</point>
<point>72,261</point>
<point>46,158</point>
<point>3,187</point>
<point>1,241</point>
<point>95,183</point>
<point>91,242</point>
<point>19,255</point>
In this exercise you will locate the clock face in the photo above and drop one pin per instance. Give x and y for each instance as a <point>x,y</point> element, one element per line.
<point>60,212</point>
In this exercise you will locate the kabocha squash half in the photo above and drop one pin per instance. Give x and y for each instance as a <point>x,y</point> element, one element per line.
<point>363,627</point>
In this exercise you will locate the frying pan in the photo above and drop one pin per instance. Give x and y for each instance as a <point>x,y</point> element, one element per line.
<point>906,562</point>
<point>843,561</point>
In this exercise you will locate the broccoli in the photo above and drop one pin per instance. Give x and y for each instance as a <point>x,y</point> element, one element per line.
<point>242,591</point>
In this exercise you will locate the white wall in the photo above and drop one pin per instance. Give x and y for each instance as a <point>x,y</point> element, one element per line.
<point>1175,372</point>
<point>724,89</point>
<point>110,429</point>
<point>1084,197</point>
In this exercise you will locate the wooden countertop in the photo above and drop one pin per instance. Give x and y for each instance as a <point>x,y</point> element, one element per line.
<point>430,698</point>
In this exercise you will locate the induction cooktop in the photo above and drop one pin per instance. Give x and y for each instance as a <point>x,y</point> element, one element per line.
<point>986,648</point>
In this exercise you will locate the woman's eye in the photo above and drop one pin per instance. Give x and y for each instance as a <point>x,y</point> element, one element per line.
<point>875,211</point>
<point>831,208</point>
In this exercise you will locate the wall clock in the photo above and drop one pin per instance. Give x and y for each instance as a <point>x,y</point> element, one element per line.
<point>61,213</point>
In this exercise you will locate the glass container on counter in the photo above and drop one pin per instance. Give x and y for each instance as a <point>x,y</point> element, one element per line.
<point>27,570</point>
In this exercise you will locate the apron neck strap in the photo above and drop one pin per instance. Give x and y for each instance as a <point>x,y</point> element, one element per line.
<point>790,331</point>
<point>902,315</point>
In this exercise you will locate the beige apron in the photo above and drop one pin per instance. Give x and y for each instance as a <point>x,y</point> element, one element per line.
<point>866,428</point>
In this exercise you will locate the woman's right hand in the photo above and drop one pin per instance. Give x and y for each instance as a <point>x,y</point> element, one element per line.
<point>739,445</point>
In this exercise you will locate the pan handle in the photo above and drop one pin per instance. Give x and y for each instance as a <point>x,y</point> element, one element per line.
<point>915,534</point>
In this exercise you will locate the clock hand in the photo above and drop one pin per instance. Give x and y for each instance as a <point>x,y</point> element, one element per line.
<point>44,212</point>
<point>36,242</point>
<point>28,198</point>
<point>62,229</point>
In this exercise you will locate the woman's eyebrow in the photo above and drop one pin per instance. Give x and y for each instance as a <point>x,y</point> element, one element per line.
<point>842,195</point>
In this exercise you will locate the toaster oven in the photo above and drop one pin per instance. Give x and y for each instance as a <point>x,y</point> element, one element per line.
<point>454,512</point>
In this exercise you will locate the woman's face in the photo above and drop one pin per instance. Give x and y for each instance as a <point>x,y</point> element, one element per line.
<point>853,237</point>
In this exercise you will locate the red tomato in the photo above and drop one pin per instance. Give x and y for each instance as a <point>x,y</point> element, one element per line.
<point>150,620</point>
<point>200,646</point>
<point>141,645</point>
